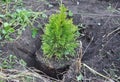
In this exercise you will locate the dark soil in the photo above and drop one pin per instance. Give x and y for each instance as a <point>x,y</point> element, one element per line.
<point>100,36</point>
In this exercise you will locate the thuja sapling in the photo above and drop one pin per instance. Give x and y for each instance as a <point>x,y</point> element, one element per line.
<point>59,38</point>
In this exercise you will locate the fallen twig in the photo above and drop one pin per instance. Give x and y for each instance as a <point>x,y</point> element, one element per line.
<point>95,72</point>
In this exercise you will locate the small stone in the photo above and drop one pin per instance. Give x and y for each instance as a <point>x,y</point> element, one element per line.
<point>99,24</point>
<point>78,3</point>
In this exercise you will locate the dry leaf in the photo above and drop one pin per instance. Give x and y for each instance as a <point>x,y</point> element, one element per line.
<point>1,22</point>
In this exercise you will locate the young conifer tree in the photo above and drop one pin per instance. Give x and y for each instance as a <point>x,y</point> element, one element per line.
<point>60,34</point>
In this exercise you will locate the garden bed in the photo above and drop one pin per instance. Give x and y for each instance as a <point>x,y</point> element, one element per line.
<point>99,23</point>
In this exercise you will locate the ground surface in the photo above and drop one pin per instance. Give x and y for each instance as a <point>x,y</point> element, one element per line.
<point>100,36</point>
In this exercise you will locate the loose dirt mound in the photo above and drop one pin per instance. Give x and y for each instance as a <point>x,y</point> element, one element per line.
<point>100,35</point>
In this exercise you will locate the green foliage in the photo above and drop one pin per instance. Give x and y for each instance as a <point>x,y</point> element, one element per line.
<point>6,31</point>
<point>44,15</point>
<point>80,77</point>
<point>1,80</point>
<point>6,1</point>
<point>59,38</point>
<point>15,18</point>
<point>34,32</point>
<point>9,62</point>
<point>29,79</point>
<point>17,22</point>
<point>70,13</point>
